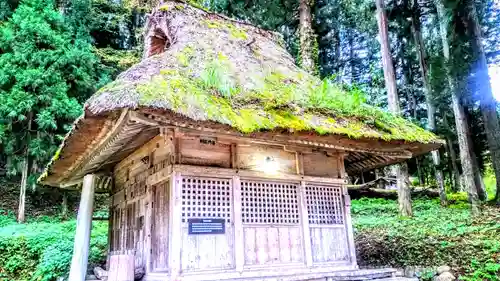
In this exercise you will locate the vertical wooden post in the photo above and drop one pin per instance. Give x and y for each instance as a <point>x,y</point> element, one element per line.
<point>234,156</point>
<point>239,241</point>
<point>175,222</point>
<point>348,227</point>
<point>110,230</point>
<point>177,147</point>
<point>148,226</point>
<point>348,219</point>
<point>299,163</point>
<point>83,227</point>
<point>304,218</point>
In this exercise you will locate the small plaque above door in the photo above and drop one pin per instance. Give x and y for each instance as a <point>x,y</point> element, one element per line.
<point>206,226</point>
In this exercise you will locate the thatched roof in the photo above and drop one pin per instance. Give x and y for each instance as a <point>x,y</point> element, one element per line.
<point>221,73</point>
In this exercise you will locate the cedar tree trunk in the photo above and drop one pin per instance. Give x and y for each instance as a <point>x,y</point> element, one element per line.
<point>460,118</point>
<point>24,176</point>
<point>306,37</point>
<point>404,193</point>
<point>488,103</point>
<point>431,109</point>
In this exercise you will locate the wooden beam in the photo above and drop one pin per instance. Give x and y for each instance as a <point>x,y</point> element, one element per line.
<point>148,225</point>
<point>234,156</point>
<point>140,118</point>
<point>80,165</point>
<point>79,260</point>
<point>177,148</point>
<point>332,142</point>
<point>360,167</point>
<point>304,219</point>
<point>229,173</point>
<point>342,173</point>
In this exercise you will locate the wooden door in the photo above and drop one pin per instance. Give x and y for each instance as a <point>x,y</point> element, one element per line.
<point>160,227</point>
<point>327,222</point>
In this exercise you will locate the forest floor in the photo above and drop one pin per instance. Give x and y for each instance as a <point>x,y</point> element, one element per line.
<point>41,248</point>
<point>434,236</point>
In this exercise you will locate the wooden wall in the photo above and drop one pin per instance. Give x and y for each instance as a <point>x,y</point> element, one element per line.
<point>271,217</point>
<point>215,153</point>
<point>160,226</point>
<point>320,164</point>
<point>130,203</point>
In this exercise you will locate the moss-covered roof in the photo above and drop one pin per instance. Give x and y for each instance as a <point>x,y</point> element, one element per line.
<point>236,74</point>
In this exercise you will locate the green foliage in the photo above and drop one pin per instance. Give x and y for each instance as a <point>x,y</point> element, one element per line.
<point>41,249</point>
<point>216,77</point>
<point>113,62</point>
<point>46,68</point>
<point>490,181</point>
<point>435,236</point>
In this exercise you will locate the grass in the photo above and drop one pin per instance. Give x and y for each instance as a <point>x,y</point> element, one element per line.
<point>41,249</point>
<point>433,237</point>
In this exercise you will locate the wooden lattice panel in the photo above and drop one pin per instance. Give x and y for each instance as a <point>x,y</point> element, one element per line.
<point>137,188</point>
<point>206,198</point>
<point>116,229</point>
<point>269,202</point>
<point>324,204</point>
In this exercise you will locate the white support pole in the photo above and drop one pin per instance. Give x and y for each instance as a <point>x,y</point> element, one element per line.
<point>304,218</point>
<point>175,222</point>
<point>83,227</point>
<point>239,243</point>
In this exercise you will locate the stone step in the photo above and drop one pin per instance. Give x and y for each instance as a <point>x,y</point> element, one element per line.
<point>362,274</point>
<point>397,279</point>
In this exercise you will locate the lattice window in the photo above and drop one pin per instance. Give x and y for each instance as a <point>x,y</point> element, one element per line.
<point>130,226</point>
<point>269,202</point>
<point>116,231</point>
<point>324,204</point>
<point>206,198</point>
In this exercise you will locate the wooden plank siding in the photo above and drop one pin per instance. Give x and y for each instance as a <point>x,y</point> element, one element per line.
<point>296,217</point>
<point>160,227</point>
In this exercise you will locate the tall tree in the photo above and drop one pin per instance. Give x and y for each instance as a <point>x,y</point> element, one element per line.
<point>404,193</point>
<point>44,69</point>
<point>458,110</point>
<point>431,108</point>
<point>308,47</point>
<point>482,84</point>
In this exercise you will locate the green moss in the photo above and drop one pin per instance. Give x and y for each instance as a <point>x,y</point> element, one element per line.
<point>297,102</point>
<point>235,32</point>
<point>56,155</point>
<point>196,4</point>
<point>185,56</point>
